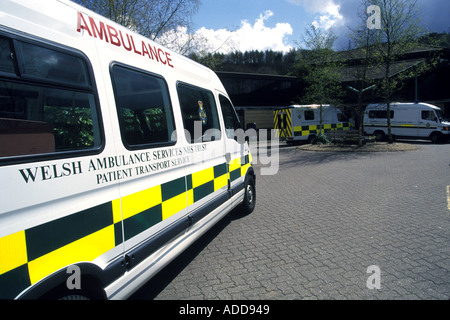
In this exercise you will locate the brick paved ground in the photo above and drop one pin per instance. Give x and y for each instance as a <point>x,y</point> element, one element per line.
<point>319,224</point>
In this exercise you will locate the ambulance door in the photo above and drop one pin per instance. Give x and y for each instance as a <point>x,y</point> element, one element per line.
<point>297,120</point>
<point>150,164</point>
<point>428,123</point>
<point>206,175</point>
<point>237,150</point>
<point>404,122</point>
<point>281,120</point>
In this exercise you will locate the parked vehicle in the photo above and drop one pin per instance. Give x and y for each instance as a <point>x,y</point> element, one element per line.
<point>408,120</point>
<point>302,122</point>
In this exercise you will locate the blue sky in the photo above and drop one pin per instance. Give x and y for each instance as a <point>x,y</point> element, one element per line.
<point>218,14</point>
<point>280,24</point>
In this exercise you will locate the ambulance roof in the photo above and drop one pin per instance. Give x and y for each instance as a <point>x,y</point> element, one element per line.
<point>312,107</point>
<point>402,105</point>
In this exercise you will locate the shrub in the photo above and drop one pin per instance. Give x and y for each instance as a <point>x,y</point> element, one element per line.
<point>320,139</point>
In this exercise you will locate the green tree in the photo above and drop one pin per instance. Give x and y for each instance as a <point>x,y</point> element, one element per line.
<point>397,34</point>
<point>362,49</point>
<point>151,18</point>
<point>319,68</point>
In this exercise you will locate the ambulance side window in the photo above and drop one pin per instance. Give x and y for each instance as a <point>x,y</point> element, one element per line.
<point>341,117</point>
<point>309,115</point>
<point>6,56</point>
<point>229,116</point>
<point>380,114</point>
<point>45,63</point>
<point>199,111</point>
<point>47,102</point>
<point>428,115</point>
<point>144,108</point>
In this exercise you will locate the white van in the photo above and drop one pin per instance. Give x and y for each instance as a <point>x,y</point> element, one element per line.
<point>408,120</point>
<point>115,154</point>
<point>302,122</point>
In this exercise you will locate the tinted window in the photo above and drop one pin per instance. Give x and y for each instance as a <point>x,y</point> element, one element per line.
<point>341,117</point>
<point>428,116</point>
<point>37,117</point>
<point>144,108</point>
<point>309,115</point>
<point>229,116</point>
<point>380,114</point>
<point>6,56</point>
<point>53,65</point>
<point>199,112</point>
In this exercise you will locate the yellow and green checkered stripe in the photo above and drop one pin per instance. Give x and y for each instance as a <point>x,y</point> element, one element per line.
<point>149,207</point>
<point>239,166</point>
<point>301,131</point>
<point>30,255</point>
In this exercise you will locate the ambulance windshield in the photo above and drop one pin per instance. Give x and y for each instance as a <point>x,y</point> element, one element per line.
<point>440,115</point>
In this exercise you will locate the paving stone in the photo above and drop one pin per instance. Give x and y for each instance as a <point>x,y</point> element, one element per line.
<point>319,224</point>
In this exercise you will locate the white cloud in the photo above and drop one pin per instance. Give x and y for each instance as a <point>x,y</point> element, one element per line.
<point>327,12</point>
<point>249,36</point>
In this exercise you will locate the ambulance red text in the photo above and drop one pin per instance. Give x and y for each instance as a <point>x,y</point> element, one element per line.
<point>119,38</point>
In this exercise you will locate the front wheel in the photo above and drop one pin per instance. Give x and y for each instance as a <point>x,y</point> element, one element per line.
<point>435,138</point>
<point>73,297</point>
<point>249,202</point>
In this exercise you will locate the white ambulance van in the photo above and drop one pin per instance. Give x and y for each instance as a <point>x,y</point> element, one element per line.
<point>302,122</point>
<point>116,154</point>
<point>408,120</point>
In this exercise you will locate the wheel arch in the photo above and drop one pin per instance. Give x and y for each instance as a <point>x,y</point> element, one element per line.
<point>436,136</point>
<point>54,286</point>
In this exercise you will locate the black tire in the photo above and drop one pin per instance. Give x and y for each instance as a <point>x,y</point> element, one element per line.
<point>74,297</point>
<point>380,136</point>
<point>249,203</point>
<point>435,138</point>
<point>91,291</point>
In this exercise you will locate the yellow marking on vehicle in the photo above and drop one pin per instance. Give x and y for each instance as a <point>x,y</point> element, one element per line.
<point>173,205</point>
<point>202,177</point>
<point>141,201</point>
<point>14,251</point>
<point>84,249</point>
